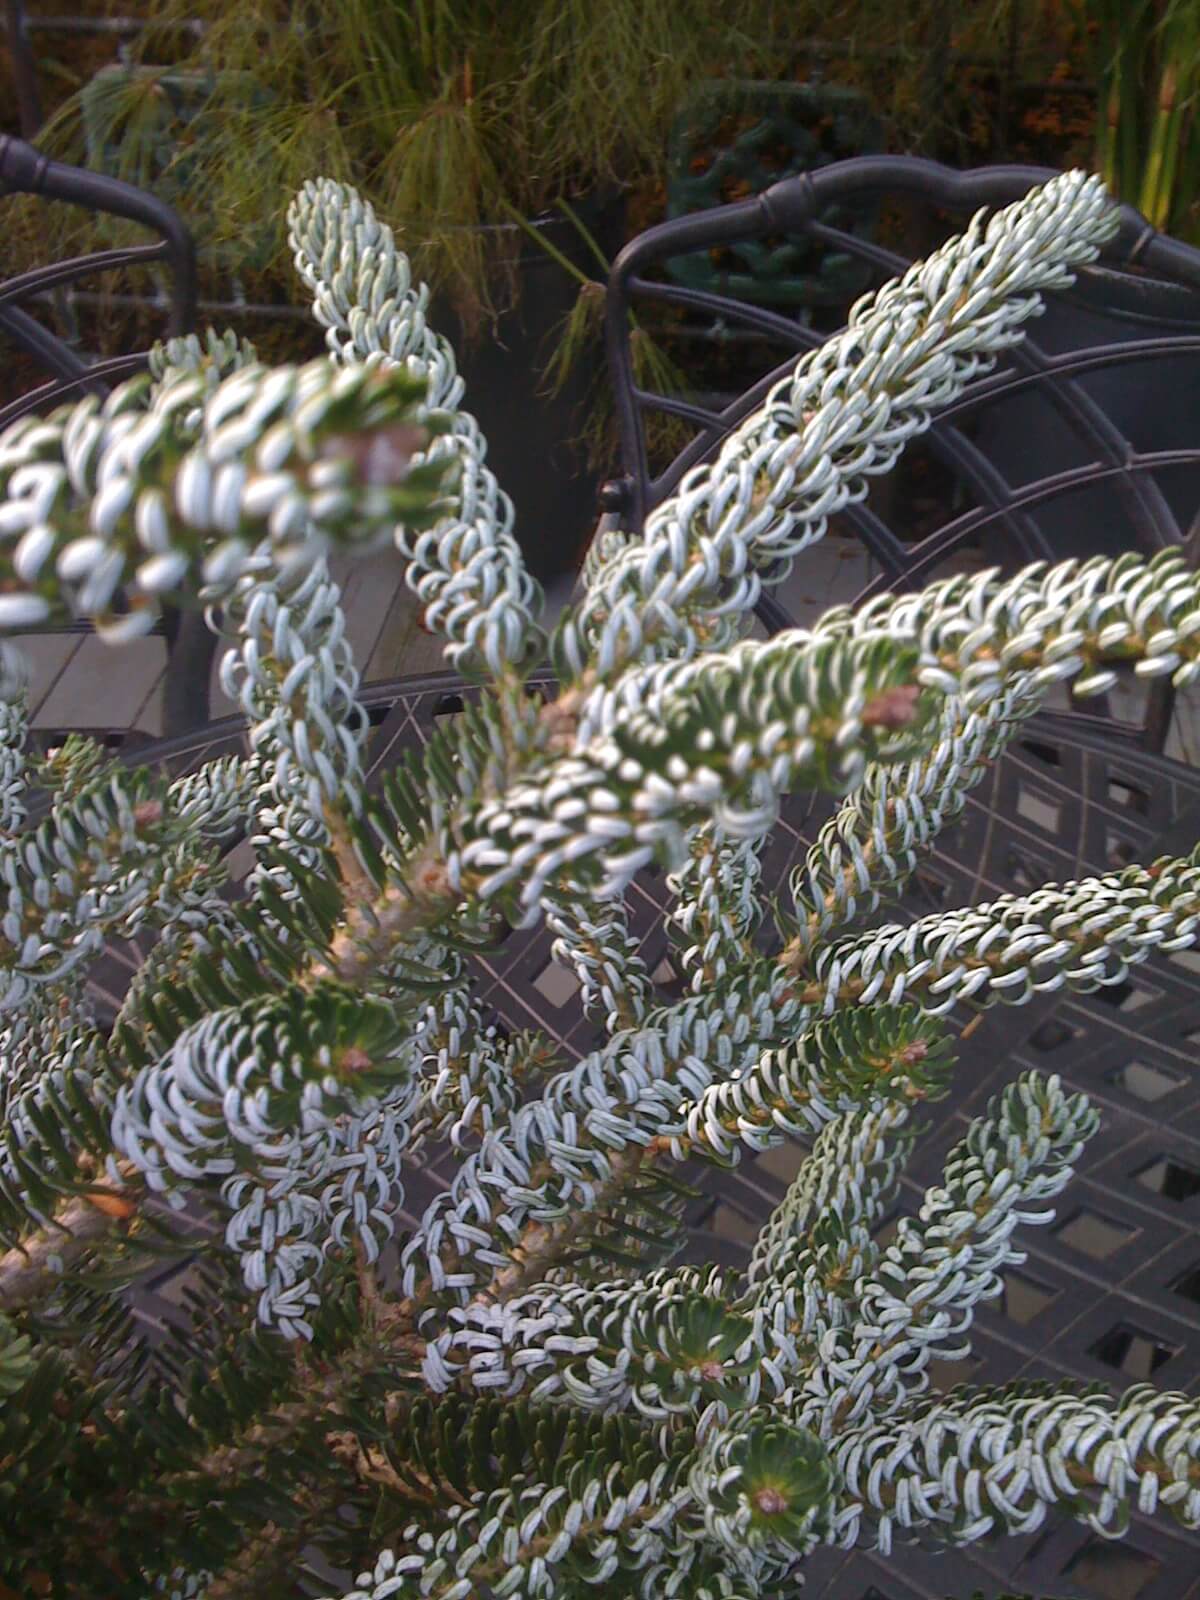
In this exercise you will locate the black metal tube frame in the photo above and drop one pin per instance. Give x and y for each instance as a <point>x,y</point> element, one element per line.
<point>24,170</point>
<point>794,206</point>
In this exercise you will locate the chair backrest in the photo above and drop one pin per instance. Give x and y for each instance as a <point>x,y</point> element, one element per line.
<point>1107,1293</point>
<point>25,170</point>
<point>1084,438</point>
<point>1110,1291</point>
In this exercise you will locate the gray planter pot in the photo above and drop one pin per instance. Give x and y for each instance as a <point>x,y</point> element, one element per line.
<point>532,436</point>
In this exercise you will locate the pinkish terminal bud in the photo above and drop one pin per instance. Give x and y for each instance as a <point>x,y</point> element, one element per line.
<point>147,812</point>
<point>432,878</point>
<point>382,457</point>
<point>713,1371</point>
<point>770,1502</point>
<point>894,708</point>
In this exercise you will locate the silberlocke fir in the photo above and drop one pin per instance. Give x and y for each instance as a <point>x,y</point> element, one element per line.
<point>532,1400</point>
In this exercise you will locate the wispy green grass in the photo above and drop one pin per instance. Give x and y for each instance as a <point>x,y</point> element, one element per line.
<point>1145,58</point>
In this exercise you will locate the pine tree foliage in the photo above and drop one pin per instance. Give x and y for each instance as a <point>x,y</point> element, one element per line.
<point>523,1394</point>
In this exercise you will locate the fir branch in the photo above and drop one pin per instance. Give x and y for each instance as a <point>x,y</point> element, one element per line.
<point>469,1074</point>
<point>976,1461</point>
<point>524,1419</point>
<point>56,1086</point>
<point>294,679</point>
<point>302,1137</point>
<point>375,931</point>
<point>667,1344</point>
<point>14,729</point>
<point>215,798</point>
<point>609,1148</point>
<point>717,908</point>
<point>818,1243</point>
<point>538,1529</point>
<point>614,984</point>
<point>766,1491</point>
<point>869,849</point>
<point>873,1055</point>
<point>919,1302</point>
<point>721,738</point>
<point>95,866</point>
<point>266,1560</point>
<point>134,495</point>
<point>1079,935</point>
<point>467,572</point>
<point>214,356</point>
<point>525,1194</point>
<point>847,412</point>
<point>31,1270</point>
<point>981,634</point>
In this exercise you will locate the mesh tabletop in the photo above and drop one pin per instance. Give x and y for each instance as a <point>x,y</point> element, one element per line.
<point>1111,1291</point>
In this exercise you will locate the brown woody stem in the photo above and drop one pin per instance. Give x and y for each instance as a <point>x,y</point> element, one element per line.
<point>35,1268</point>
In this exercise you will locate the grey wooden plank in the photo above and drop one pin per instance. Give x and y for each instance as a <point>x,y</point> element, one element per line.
<point>369,591</point>
<point>103,686</point>
<point>47,655</point>
<point>149,715</point>
<point>403,646</point>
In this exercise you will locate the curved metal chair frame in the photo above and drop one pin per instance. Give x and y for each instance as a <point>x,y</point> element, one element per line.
<point>24,170</point>
<point>1109,1293</point>
<point>996,504</point>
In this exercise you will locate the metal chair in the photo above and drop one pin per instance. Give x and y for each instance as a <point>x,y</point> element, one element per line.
<point>1147,493</point>
<point>1108,1293</point>
<point>1111,1292</point>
